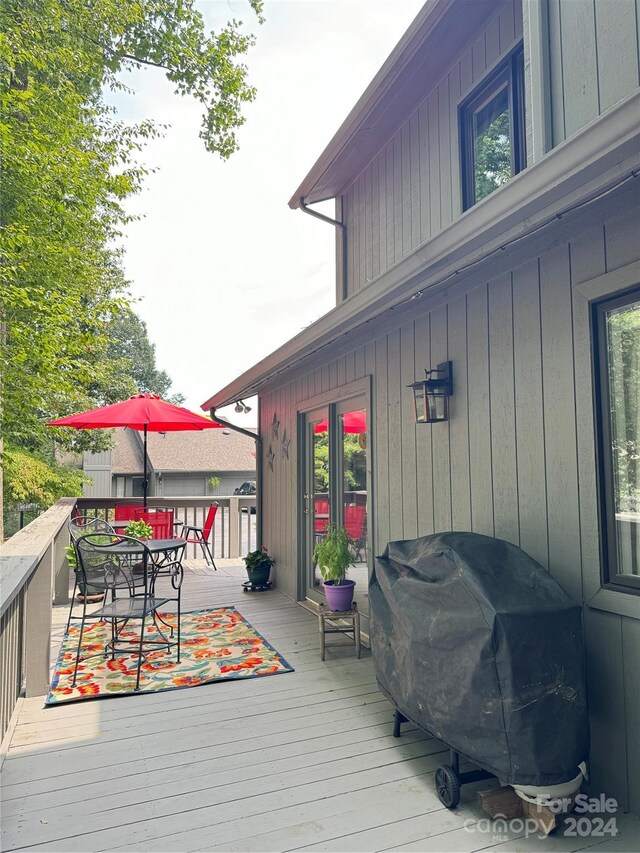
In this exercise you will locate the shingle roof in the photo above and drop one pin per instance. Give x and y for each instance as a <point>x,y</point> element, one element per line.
<point>126,455</point>
<point>210,450</point>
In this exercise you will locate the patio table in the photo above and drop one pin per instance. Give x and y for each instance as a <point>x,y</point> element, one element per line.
<point>158,548</point>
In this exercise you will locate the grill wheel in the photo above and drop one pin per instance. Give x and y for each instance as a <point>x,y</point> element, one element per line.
<point>447,786</point>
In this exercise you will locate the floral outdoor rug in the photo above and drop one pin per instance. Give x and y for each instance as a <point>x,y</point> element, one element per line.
<point>215,645</point>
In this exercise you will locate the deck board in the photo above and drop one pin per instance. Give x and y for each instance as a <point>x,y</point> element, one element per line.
<point>302,761</point>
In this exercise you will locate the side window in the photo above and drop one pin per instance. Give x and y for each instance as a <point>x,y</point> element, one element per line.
<point>492,131</point>
<point>617,370</point>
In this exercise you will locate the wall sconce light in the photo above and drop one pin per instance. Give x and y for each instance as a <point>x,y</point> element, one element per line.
<point>241,407</point>
<point>431,394</point>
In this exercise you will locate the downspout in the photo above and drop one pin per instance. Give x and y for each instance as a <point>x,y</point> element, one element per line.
<point>256,437</point>
<point>343,228</point>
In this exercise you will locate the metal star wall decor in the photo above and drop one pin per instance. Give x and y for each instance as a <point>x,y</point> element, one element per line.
<point>275,425</point>
<point>270,457</point>
<point>285,445</point>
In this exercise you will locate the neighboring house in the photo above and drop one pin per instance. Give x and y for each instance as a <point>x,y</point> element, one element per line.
<point>521,290</point>
<point>181,464</point>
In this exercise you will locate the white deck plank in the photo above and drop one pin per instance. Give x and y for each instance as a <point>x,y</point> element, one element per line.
<point>300,761</point>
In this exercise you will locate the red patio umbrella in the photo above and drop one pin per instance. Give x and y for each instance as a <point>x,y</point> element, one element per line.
<point>146,412</point>
<point>355,422</point>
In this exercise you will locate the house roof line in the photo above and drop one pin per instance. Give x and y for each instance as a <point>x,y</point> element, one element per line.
<point>390,98</point>
<point>183,452</point>
<point>591,162</point>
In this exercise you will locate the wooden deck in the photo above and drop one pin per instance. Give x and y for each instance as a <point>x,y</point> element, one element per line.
<point>302,761</point>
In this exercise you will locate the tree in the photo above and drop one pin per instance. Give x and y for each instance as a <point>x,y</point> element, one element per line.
<point>623,342</point>
<point>35,477</point>
<point>130,348</point>
<point>354,474</point>
<point>68,167</point>
<point>33,482</point>
<point>493,156</point>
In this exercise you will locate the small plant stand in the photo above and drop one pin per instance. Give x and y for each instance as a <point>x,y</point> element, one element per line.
<point>339,622</point>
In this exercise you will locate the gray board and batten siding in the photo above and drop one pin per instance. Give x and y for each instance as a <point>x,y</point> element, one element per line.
<point>516,459</point>
<point>97,466</point>
<point>411,189</point>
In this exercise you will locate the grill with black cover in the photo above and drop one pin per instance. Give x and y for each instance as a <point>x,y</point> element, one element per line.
<point>474,642</point>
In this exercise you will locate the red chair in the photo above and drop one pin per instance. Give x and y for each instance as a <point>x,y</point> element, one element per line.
<point>160,522</point>
<point>127,512</point>
<point>355,523</point>
<point>320,516</point>
<point>200,535</point>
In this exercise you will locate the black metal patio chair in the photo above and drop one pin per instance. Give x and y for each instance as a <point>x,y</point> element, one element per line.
<point>80,525</point>
<point>118,563</point>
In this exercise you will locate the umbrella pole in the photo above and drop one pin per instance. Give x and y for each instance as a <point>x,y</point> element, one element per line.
<point>144,481</point>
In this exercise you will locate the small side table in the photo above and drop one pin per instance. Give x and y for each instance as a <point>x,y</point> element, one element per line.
<point>339,622</point>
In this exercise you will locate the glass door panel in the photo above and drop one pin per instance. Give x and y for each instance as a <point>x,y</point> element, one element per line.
<point>318,494</point>
<point>352,430</point>
<point>336,489</point>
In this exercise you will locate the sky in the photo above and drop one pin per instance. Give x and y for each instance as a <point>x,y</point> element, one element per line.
<point>223,270</point>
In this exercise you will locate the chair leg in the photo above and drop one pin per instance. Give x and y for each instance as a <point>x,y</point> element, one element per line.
<point>179,611</point>
<point>75,669</point>
<point>73,598</point>
<point>143,622</point>
<point>206,550</point>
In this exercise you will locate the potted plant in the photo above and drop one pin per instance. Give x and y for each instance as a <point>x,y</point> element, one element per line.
<point>139,530</point>
<point>258,565</point>
<point>333,556</point>
<point>92,594</point>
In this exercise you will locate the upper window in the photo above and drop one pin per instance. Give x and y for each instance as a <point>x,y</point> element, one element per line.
<point>617,337</point>
<point>492,131</point>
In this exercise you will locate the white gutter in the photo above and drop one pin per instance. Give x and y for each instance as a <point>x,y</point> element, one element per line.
<point>601,155</point>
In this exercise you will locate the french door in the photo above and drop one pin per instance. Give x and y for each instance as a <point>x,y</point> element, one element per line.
<point>335,488</point>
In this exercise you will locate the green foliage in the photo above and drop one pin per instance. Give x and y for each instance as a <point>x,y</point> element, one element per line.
<point>139,530</point>
<point>493,157</point>
<point>354,463</point>
<point>333,554</point>
<point>70,553</point>
<point>35,481</point>
<point>68,167</point>
<point>214,482</point>
<point>29,479</point>
<point>321,462</point>
<point>133,357</point>
<point>623,337</point>
<point>258,559</point>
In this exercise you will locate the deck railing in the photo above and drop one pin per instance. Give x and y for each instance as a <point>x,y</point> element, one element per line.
<point>34,572</point>
<point>234,529</point>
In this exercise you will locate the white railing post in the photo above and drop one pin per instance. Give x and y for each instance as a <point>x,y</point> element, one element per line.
<point>37,639</point>
<point>234,527</point>
<point>61,568</point>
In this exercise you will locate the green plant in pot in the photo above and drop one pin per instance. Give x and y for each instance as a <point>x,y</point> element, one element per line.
<point>91,593</point>
<point>139,530</point>
<point>333,555</point>
<point>258,565</point>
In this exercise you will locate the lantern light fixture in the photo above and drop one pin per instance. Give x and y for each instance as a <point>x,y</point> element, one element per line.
<point>431,394</point>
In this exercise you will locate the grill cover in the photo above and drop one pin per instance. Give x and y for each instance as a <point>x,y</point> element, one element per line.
<point>475,642</point>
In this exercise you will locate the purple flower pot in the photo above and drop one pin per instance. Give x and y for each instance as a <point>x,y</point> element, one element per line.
<point>339,595</point>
